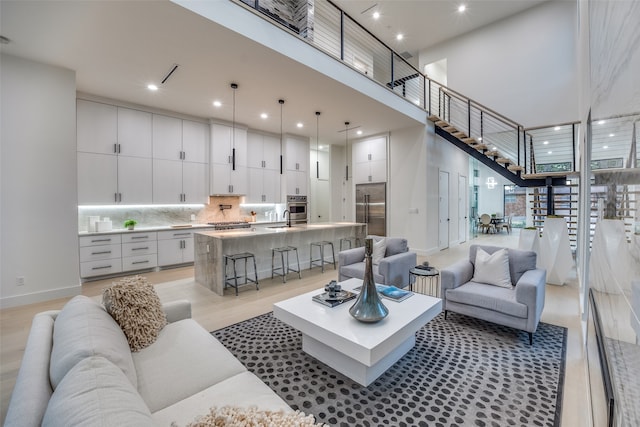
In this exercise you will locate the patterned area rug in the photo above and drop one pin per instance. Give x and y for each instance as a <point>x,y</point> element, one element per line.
<point>461,372</point>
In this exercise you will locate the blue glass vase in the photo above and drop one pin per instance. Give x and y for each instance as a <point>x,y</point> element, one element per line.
<point>368,307</point>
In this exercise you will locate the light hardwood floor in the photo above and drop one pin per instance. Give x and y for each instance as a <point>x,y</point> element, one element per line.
<point>215,312</point>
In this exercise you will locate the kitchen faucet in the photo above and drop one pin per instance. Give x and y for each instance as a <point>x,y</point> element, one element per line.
<point>286,211</point>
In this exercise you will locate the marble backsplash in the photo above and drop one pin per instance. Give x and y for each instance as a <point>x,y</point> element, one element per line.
<point>161,216</point>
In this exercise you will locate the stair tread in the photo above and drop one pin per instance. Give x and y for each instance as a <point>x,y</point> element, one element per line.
<point>450,129</point>
<point>459,135</point>
<point>515,168</point>
<point>503,160</point>
<point>434,118</point>
<point>442,123</point>
<point>469,141</point>
<point>492,153</point>
<point>480,147</point>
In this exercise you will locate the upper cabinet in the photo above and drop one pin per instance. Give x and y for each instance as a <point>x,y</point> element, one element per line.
<point>263,160</point>
<point>297,165</point>
<point>228,160</point>
<point>370,160</point>
<point>180,170</point>
<point>176,139</point>
<point>97,127</point>
<point>134,133</point>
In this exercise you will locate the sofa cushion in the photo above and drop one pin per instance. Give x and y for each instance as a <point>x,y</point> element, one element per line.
<point>84,329</point>
<point>184,360</point>
<point>519,261</point>
<point>491,297</point>
<point>95,392</point>
<point>379,249</point>
<point>492,269</point>
<point>241,389</point>
<point>135,305</point>
<point>357,270</point>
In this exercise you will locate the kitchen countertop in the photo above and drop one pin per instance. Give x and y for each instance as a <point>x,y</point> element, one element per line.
<point>261,231</point>
<point>173,227</point>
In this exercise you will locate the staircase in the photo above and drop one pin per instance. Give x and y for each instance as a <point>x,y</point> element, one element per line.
<point>490,156</point>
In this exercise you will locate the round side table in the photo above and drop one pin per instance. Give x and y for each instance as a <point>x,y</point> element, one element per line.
<point>421,277</point>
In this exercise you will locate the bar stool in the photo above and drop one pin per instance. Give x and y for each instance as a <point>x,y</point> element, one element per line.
<point>233,280</point>
<point>285,267</point>
<point>349,240</point>
<point>320,260</point>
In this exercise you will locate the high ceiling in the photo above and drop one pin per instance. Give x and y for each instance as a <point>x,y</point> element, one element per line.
<point>117,47</point>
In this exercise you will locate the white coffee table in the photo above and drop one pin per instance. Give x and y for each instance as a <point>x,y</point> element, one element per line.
<point>361,351</point>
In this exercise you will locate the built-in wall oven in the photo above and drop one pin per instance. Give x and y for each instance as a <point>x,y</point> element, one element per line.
<point>297,207</point>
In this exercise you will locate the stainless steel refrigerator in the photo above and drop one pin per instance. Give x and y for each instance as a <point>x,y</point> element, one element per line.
<point>371,207</point>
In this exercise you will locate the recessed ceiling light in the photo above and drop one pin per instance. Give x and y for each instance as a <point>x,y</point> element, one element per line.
<point>494,148</point>
<point>359,132</point>
<point>300,125</point>
<point>399,36</point>
<point>479,138</point>
<point>601,122</point>
<point>320,147</point>
<point>605,147</point>
<point>217,104</point>
<point>264,115</point>
<point>612,134</point>
<point>462,8</point>
<point>556,128</point>
<point>376,15</point>
<point>549,152</point>
<point>152,87</point>
<point>546,142</point>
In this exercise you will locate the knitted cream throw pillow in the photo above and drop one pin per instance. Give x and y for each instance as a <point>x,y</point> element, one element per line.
<point>136,307</point>
<point>233,416</point>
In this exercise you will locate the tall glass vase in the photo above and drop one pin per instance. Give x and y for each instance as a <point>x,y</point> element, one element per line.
<point>368,307</point>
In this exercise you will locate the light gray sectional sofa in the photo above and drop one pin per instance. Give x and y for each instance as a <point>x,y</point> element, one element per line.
<point>393,269</point>
<point>518,307</point>
<point>77,369</point>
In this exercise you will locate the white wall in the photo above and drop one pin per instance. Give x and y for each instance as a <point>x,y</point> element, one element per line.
<point>523,67</point>
<point>39,230</point>
<point>416,155</point>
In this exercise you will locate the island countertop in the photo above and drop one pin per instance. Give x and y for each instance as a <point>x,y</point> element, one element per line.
<point>211,246</point>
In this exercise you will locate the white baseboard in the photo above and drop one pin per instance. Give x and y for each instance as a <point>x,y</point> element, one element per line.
<point>35,297</point>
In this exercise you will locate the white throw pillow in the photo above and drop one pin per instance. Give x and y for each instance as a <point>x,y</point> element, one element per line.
<point>492,269</point>
<point>379,249</point>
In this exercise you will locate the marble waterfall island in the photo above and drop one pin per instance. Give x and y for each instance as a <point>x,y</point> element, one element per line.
<point>210,246</point>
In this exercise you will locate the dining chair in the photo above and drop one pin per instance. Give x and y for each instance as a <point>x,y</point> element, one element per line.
<point>506,224</point>
<point>485,223</point>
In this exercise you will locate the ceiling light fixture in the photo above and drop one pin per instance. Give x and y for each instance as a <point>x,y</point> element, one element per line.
<point>601,122</point>
<point>281,102</point>
<point>400,36</point>
<point>299,125</point>
<point>605,147</point>
<point>317,147</point>
<point>556,128</point>
<point>611,135</point>
<point>546,142</point>
<point>234,86</point>
<point>549,152</point>
<point>152,87</point>
<point>462,8</point>
<point>264,116</point>
<point>217,104</point>
<point>376,15</point>
<point>359,132</point>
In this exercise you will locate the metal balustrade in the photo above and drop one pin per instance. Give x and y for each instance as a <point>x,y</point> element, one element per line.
<point>540,150</point>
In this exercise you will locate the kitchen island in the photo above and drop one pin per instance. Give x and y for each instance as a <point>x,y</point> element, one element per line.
<point>210,246</point>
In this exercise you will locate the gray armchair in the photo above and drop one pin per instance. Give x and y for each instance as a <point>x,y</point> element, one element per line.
<point>393,269</point>
<point>519,307</point>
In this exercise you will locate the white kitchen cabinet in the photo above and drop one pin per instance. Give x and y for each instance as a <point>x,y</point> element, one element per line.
<point>176,179</point>
<point>224,179</point>
<point>135,185</point>
<point>100,255</point>
<point>97,179</point>
<point>297,183</point>
<point>108,179</point>
<point>370,160</point>
<point>296,154</point>
<point>195,142</point>
<point>175,247</point>
<point>167,138</point>
<point>134,133</point>
<point>97,127</point>
<point>139,251</point>
<point>264,168</point>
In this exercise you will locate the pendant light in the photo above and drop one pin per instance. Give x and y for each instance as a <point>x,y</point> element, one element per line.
<point>281,102</point>
<point>317,139</point>
<point>346,156</point>
<point>234,86</point>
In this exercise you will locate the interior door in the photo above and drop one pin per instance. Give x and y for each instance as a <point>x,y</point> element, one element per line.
<point>462,208</point>
<point>443,210</point>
